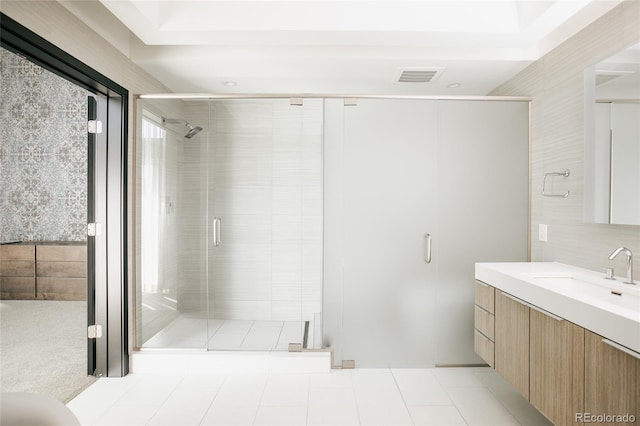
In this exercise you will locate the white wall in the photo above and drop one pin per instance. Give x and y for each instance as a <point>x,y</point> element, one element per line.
<point>555,83</point>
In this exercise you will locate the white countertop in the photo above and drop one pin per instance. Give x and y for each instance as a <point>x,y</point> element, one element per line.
<point>608,308</point>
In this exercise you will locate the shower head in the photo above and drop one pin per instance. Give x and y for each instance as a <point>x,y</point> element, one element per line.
<point>193,130</point>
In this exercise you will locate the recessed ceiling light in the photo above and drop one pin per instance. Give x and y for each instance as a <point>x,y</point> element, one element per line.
<point>229,83</point>
<point>453,85</point>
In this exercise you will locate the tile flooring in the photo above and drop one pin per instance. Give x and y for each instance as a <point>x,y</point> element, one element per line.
<point>188,331</point>
<point>443,396</point>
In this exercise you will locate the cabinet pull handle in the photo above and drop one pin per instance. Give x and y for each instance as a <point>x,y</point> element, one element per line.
<point>427,248</point>
<point>534,307</point>
<point>622,348</point>
<point>547,313</point>
<point>216,231</point>
<point>515,299</point>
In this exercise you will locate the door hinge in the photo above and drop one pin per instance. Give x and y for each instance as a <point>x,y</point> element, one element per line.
<point>94,126</point>
<point>93,229</point>
<point>94,331</point>
<point>350,101</point>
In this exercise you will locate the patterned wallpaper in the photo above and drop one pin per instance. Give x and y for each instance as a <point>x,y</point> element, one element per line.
<point>43,154</point>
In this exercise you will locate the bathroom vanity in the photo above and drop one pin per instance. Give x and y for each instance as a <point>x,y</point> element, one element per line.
<point>566,338</point>
<point>43,270</point>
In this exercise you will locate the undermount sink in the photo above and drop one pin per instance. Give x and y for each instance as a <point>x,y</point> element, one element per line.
<point>609,308</point>
<point>613,293</point>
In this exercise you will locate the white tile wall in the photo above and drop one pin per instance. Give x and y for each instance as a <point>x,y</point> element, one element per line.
<point>264,164</point>
<point>555,83</point>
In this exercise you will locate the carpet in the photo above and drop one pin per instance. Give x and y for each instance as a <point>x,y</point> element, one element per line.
<point>43,348</point>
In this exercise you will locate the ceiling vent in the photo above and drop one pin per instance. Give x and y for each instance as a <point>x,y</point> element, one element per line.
<point>418,75</point>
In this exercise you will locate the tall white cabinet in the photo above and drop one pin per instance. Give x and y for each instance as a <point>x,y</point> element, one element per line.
<point>416,192</point>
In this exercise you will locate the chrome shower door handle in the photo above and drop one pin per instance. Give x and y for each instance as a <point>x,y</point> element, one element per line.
<point>427,248</point>
<point>216,231</point>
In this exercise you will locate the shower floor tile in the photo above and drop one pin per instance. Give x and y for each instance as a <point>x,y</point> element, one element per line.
<point>189,332</point>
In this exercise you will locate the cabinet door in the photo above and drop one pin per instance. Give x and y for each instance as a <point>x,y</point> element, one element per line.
<point>612,379</point>
<point>557,368</point>
<point>512,342</point>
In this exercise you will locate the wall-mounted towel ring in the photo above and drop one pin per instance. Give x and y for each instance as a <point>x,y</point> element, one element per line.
<point>544,183</point>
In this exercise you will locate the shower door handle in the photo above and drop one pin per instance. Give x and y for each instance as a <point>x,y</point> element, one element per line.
<point>427,248</point>
<point>216,231</point>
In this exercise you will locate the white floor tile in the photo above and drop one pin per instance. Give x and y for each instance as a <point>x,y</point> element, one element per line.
<point>458,377</point>
<point>127,415</point>
<point>237,401</point>
<point>420,387</point>
<point>334,379</point>
<point>227,340</point>
<point>213,326</point>
<point>151,389</point>
<point>436,415</point>
<point>263,335</point>
<point>292,332</point>
<point>479,407</point>
<point>203,380</point>
<point>286,390</point>
<point>189,331</point>
<point>281,416</point>
<point>99,397</point>
<point>472,396</point>
<point>511,399</point>
<point>332,407</point>
<point>379,400</point>
<point>186,406</point>
<point>140,403</point>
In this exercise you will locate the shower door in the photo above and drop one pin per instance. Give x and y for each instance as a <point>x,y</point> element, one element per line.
<point>416,192</point>
<point>381,232</point>
<point>265,223</point>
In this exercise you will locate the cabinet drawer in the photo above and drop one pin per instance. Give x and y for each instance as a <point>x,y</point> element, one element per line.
<point>16,252</point>
<point>62,269</point>
<point>17,268</point>
<point>484,322</point>
<point>62,253</point>
<point>62,288</point>
<point>17,288</point>
<point>484,296</point>
<point>483,347</point>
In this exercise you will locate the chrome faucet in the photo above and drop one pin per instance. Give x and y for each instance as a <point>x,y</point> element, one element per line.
<point>629,255</point>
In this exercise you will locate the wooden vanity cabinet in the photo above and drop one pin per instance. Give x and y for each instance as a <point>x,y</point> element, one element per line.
<point>557,370</point>
<point>483,336</point>
<point>564,370</point>
<point>612,380</point>
<point>512,341</point>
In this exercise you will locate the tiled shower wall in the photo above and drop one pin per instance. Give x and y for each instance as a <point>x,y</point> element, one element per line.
<point>556,85</point>
<point>262,175</point>
<point>43,154</point>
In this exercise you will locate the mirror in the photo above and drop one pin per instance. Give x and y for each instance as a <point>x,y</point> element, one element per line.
<point>612,139</point>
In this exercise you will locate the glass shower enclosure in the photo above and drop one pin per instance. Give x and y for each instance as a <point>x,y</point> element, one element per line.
<point>229,223</point>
